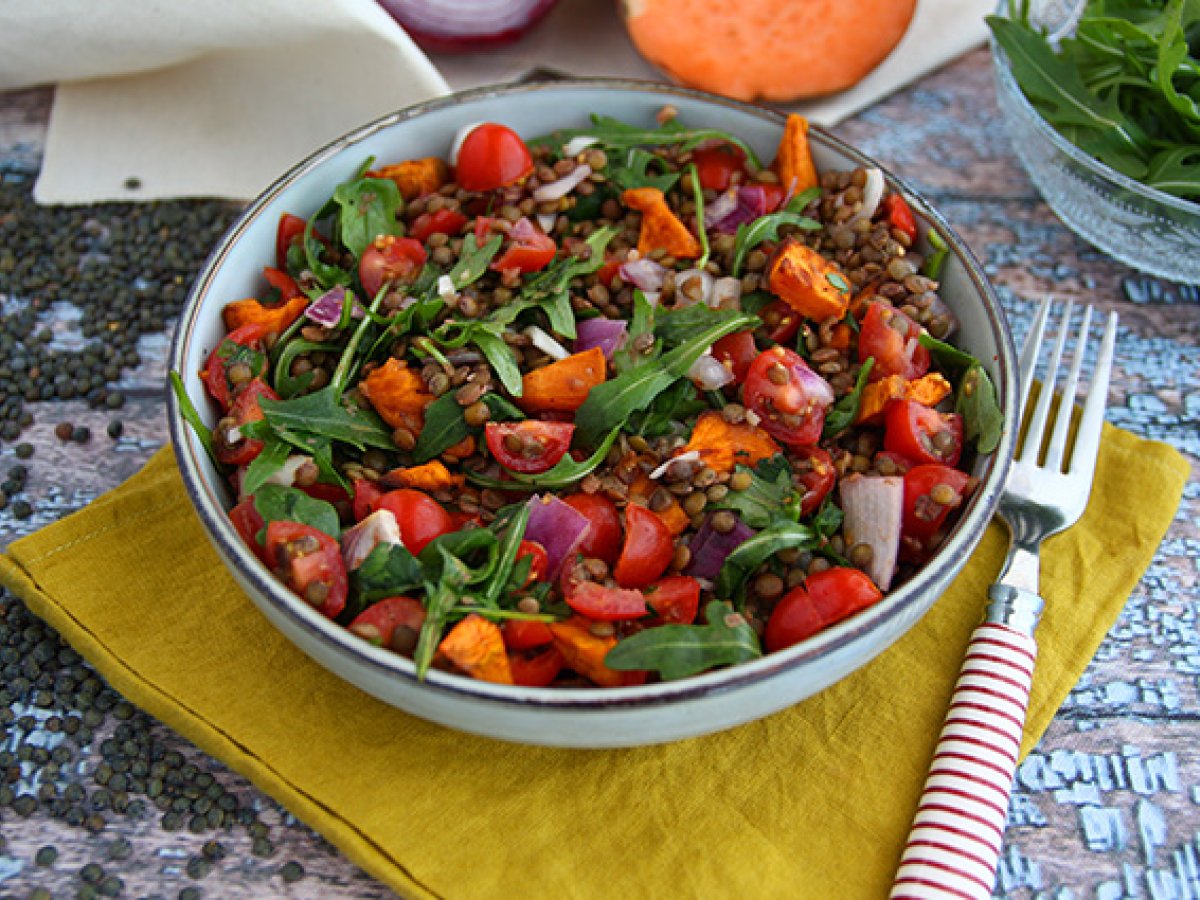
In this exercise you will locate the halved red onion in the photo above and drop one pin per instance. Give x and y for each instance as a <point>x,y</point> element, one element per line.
<point>556,190</point>
<point>684,282</point>
<point>559,528</point>
<point>708,373</point>
<point>327,309</point>
<point>872,195</point>
<point>710,547</point>
<point>874,506</point>
<point>607,334</point>
<point>643,273</point>
<point>380,527</point>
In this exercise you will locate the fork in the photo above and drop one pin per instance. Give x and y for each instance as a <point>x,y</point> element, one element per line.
<point>954,845</point>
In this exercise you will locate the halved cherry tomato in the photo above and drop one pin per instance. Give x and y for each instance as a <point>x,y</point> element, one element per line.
<point>816,473</point>
<point>923,515</point>
<point>603,538</point>
<point>242,345</point>
<point>899,215</point>
<point>290,231</point>
<point>389,258</point>
<point>330,493</point>
<point>789,398</point>
<point>420,517</point>
<point>606,604</point>
<point>922,434</point>
<point>529,251</point>
<point>716,165</point>
<point>674,599</point>
<point>393,623</point>
<point>310,564</point>
<point>245,409</point>
<point>366,498</point>
<point>523,634</point>
<point>647,550</point>
<point>537,670</point>
<point>890,337</point>
<point>282,282</point>
<point>491,156</point>
<point>780,321</point>
<point>825,597</point>
<point>248,523</point>
<point>529,446</point>
<point>541,562</point>
<point>773,195</point>
<point>607,272</point>
<point>902,463</point>
<point>441,221</point>
<point>736,352</point>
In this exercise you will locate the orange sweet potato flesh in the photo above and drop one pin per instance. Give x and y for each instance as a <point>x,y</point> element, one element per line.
<point>672,515</point>
<point>793,162</point>
<point>276,317</point>
<point>563,385</point>
<point>775,50</point>
<point>808,282</point>
<point>584,653</point>
<point>398,394</point>
<point>430,477</point>
<point>415,177</point>
<point>476,646</point>
<point>661,228</point>
<point>723,445</point>
<point>928,390</point>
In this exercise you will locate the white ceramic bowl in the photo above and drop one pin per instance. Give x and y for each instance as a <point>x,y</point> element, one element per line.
<point>568,717</point>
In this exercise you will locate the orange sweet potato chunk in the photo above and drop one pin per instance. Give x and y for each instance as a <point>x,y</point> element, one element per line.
<point>277,317</point>
<point>794,162</point>
<point>398,394</point>
<point>476,646</point>
<point>563,385</point>
<point>430,477</point>
<point>808,282</point>
<point>723,445</point>
<point>661,228</point>
<point>584,653</point>
<point>672,515</point>
<point>415,177</point>
<point>928,390</point>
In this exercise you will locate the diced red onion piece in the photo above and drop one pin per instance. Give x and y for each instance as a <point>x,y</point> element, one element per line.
<point>327,309</point>
<point>545,343</point>
<point>682,279</point>
<point>607,334</point>
<point>644,273</point>
<point>751,204</point>
<point>556,190</point>
<point>874,506</point>
<point>380,527</point>
<point>709,547</point>
<point>547,221</point>
<point>725,204</point>
<point>459,137</point>
<point>578,144</point>
<point>815,387</point>
<point>708,373</point>
<point>559,528</point>
<point>725,290</point>
<point>872,195</point>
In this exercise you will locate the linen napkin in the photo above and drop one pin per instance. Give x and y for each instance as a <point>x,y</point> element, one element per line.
<point>814,801</point>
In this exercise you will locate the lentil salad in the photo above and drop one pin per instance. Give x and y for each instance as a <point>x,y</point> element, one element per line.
<point>614,404</point>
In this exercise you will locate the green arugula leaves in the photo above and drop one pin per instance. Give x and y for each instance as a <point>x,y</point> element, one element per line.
<point>613,134</point>
<point>766,228</point>
<point>770,495</point>
<point>677,651</point>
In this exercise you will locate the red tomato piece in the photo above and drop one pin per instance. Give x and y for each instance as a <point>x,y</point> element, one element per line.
<point>603,538</point>
<point>538,670</point>
<point>825,598</point>
<point>647,550</point>
<point>523,634</point>
<point>541,562</point>
<point>780,321</point>
<point>420,517</point>
<point>310,563</point>
<point>922,434</point>
<point>282,282</point>
<point>330,493</point>
<point>924,516</point>
<point>736,352</point>
<point>789,398</point>
<point>389,259</point>
<point>290,231</point>
<point>242,345</point>
<point>773,194</point>
<point>890,337</point>
<point>245,409</point>
<point>816,473</point>
<point>716,165</point>
<point>248,523</point>
<point>529,251</point>
<point>607,272</point>
<point>606,604</point>
<point>491,156</point>
<point>899,215</point>
<point>674,599</point>
<point>441,221</point>
<point>529,446</point>
<point>378,623</point>
<point>366,498</point>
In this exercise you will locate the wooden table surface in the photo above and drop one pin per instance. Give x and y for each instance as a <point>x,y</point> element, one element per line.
<point>1107,806</point>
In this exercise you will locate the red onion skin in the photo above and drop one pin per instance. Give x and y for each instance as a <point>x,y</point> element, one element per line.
<point>645,274</point>
<point>751,205</point>
<point>710,548</point>
<point>327,309</point>
<point>559,528</point>
<point>453,26</point>
<point>607,334</point>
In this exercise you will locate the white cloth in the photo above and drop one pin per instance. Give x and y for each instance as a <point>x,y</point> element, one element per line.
<point>160,99</point>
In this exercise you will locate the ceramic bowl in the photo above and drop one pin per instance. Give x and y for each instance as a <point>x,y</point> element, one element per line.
<point>574,717</point>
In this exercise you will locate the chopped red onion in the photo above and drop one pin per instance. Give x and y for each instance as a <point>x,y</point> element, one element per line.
<point>445,287</point>
<point>750,204</point>
<point>644,273</point>
<point>607,334</point>
<point>380,527</point>
<point>708,373</point>
<point>725,291</point>
<point>688,276</point>
<point>874,507</point>
<point>725,204</point>
<point>556,190</point>
<point>523,230</point>
<point>815,387</point>
<point>327,309</point>
<point>578,144</point>
<point>559,528</point>
<point>710,547</point>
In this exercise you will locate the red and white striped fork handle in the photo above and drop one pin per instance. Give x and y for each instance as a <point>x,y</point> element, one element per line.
<point>954,846</point>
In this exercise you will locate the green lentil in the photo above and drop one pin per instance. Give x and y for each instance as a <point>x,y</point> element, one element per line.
<point>45,856</point>
<point>291,871</point>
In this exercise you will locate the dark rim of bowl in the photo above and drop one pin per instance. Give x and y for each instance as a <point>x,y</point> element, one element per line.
<point>331,636</point>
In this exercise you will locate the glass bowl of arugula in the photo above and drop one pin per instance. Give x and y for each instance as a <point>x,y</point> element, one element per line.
<point>1102,112</point>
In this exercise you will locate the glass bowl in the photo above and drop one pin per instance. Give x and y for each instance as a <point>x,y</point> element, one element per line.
<point>1135,224</point>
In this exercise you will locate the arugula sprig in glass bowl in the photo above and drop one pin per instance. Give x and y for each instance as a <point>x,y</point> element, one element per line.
<point>1081,133</point>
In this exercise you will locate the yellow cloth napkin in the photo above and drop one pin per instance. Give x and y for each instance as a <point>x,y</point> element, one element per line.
<point>814,801</point>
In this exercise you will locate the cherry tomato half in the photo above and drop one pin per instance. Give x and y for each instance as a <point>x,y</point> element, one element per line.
<point>899,215</point>
<point>736,352</point>
<point>441,221</point>
<point>789,398</point>
<point>529,251</point>
<point>389,258</point>
<point>522,634</point>
<point>290,231</point>
<point>540,564</point>
<point>393,623</point>
<point>420,517</point>
<point>242,346</point>
<point>310,564</point>
<point>282,282</point>
<point>603,538</point>
<point>890,337</point>
<point>674,599</point>
<point>231,448</point>
<point>491,156</point>
<point>717,164</point>
<point>825,597</point>
<point>529,446</point>
<point>922,434</point>
<point>647,550</point>
<point>924,489</point>
<point>536,670</point>
<point>366,498</point>
<point>780,322</point>
<point>816,473</point>
<point>248,523</point>
<point>606,604</point>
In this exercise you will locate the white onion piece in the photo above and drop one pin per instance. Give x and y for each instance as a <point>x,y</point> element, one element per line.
<point>725,290</point>
<point>690,456</point>
<point>445,287</point>
<point>578,144</point>
<point>709,373</point>
<point>459,137</point>
<point>380,527</point>
<point>546,221</point>
<point>545,343</point>
<point>874,507</point>
<point>872,194</point>
<point>556,190</point>
<point>652,297</point>
<point>285,475</point>
<point>682,298</point>
<point>643,273</point>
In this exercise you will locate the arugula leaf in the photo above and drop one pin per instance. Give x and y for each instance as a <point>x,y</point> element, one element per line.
<point>269,461</point>
<point>288,385</point>
<point>446,425</point>
<point>613,133</point>
<point>564,473</point>
<point>949,357</point>
<point>192,417</point>
<point>770,493</point>
<point>845,411</point>
<point>442,594</point>
<point>473,261</point>
<point>677,651</point>
<point>828,519</point>
<point>276,503</point>
<point>507,557</point>
<point>368,208</point>
<point>766,228</point>
<point>698,199</point>
<point>389,570</point>
<point>674,326</point>
<point>476,548</point>
<point>550,288</point>
<point>634,173</point>
<point>678,403</point>
<point>976,403</point>
<point>754,551</point>
<point>327,275</point>
<point>641,322</point>
<point>322,413</point>
<point>937,259</point>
